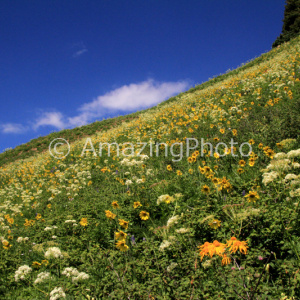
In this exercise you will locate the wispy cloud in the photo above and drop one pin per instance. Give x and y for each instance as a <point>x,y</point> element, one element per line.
<point>79,52</point>
<point>54,119</point>
<point>128,98</point>
<point>12,128</point>
<point>80,49</point>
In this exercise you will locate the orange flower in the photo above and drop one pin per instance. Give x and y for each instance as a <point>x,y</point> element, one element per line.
<point>210,249</point>
<point>235,245</point>
<point>226,260</point>
<point>206,249</point>
<point>219,248</point>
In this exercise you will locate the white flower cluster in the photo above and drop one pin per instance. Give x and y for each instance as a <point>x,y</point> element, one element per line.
<point>75,274</point>
<point>144,157</point>
<point>57,293</point>
<point>42,277</point>
<point>269,177</point>
<point>70,221</point>
<point>81,276</point>
<point>290,177</point>
<point>48,228</point>
<point>295,182</point>
<point>173,220</point>
<point>165,198</point>
<point>22,240</point>
<point>296,165</point>
<point>138,181</point>
<point>22,272</point>
<point>165,244</point>
<point>278,168</point>
<point>280,155</point>
<point>129,162</point>
<point>53,252</point>
<point>293,153</point>
<point>149,172</point>
<point>70,271</point>
<point>128,182</point>
<point>182,230</point>
<point>295,193</point>
<point>171,267</point>
<point>73,222</point>
<point>279,165</point>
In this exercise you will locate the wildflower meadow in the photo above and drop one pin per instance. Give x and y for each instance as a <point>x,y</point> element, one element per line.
<point>136,224</point>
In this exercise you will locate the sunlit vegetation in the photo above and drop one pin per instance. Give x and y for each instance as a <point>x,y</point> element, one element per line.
<point>207,226</point>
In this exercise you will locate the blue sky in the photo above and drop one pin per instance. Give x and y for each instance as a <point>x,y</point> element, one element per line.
<point>69,63</point>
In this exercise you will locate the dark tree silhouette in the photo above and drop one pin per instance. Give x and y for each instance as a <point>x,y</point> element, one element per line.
<point>291,22</point>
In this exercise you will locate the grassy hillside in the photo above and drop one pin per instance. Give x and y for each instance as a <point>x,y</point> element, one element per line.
<point>166,223</point>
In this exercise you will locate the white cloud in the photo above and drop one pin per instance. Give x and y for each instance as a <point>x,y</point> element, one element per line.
<point>128,98</point>
<point>80,49</point>
<point>54,119</point>
<point>82,119</point>
<point>79,52</point>
<point>12,128</point>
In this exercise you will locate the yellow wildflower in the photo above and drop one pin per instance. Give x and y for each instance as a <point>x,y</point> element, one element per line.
<point>252,196</point>
<point>121,245</point>
<point>121,235</point>
<point>144,215</point>
<point>115,204</point>
<point>109,214</point>
<point>205,189</point>
<point>83,222</point>
<point>123,223</point>
<point>137,204</point>
<point>215,224</point>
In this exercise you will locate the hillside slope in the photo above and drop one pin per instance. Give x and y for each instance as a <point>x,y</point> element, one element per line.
<point>177,220</point>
